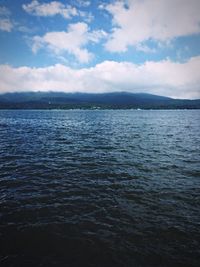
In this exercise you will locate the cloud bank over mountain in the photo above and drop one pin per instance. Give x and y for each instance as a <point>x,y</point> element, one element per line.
<point>178,80</point>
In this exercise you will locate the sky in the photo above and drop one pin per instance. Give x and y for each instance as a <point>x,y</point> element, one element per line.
<point>150,46</point>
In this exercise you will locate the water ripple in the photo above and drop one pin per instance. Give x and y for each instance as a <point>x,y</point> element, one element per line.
<point>100,188</point>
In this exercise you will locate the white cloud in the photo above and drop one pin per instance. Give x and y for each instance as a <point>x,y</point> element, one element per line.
<point>179,80</point>
<point>57,8</point>
<point>137,21</point>
<point>86,16</point>
<point>4,11</point>
<point>72,41</point>
<point>50,9</point>
<point>82,3</point>
<point>6,24</point>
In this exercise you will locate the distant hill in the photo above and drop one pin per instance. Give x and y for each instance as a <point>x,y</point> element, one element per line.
<point>116,100</point>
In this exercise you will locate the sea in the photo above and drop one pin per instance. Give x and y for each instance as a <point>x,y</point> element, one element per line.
<point>100,188</point>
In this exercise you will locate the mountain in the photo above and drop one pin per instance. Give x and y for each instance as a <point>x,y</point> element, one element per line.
<point>51,100</point>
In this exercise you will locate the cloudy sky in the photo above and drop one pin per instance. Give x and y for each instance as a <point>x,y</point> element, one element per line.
<point>148,46</point>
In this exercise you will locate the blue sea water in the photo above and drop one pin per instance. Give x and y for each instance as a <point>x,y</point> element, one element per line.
<point>100,188</point>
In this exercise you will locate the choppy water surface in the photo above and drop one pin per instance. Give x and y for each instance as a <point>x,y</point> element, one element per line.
<point>100,188</point>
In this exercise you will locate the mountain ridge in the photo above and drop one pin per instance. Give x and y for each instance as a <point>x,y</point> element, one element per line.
<point>62,100</point>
